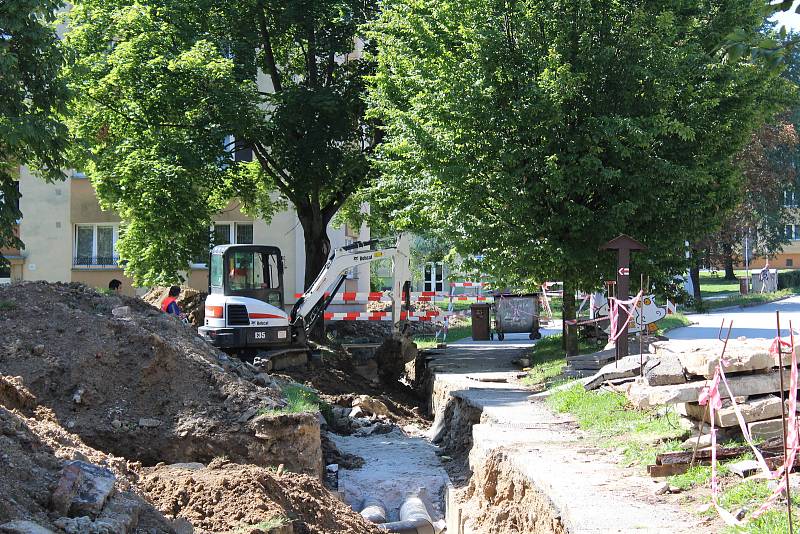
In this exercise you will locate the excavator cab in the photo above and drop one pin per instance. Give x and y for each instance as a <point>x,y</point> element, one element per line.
<point>244,308</point>
<point>253,271</point>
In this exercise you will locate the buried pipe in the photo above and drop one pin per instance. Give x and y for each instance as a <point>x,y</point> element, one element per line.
<point>373,510</point>
<point>414,519</point>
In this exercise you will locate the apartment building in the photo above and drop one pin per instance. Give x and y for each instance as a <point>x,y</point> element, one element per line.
<point>789,256</point>
<point>68,237</point>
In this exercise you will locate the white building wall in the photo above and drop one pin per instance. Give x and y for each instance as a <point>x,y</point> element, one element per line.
<point>45,228</point>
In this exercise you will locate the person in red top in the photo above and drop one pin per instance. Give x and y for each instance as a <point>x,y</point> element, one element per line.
<point>170,304</point>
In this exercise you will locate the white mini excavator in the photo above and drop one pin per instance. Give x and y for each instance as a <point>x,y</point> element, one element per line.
<point>244,310</point>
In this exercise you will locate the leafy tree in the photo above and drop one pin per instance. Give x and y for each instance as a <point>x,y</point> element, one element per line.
<point>167,92</point>
<point>768,164</point>
<point>30,101</point>
<point>533,132</point>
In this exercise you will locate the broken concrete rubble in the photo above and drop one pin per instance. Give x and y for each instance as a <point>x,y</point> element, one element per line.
<point>664,369</point>
<point>756,409</point>
<point>626,367</point>
<point>764,430</point>
<point>705,363</point>
<point>82,489</point>
<point>24,527</point>
<point>644,396</point>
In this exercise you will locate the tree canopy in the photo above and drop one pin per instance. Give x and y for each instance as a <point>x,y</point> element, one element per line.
<point>168,92</point>
<point>533,132</point>
<point>768,163</point>
<point>31,100</point>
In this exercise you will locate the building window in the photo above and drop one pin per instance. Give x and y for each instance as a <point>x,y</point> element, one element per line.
<point>222,234</point>
<point>790,263</point>
<point>434,276</point>
<point>789,199</point>
<point>244,234</point>
<point>5,273</point>
<point>227,233</point>
<point>95,245</point>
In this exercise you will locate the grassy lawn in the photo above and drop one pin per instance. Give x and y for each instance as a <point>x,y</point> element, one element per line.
<point>547,358</point>
<point>750,494</point>
<point>751,299</point>
<point>641,434</point>
<point>458,305</point>
<point>671,322</point>
<point>715,286</point>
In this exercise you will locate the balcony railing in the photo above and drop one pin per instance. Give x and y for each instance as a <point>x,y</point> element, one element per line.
<point>98,262</point>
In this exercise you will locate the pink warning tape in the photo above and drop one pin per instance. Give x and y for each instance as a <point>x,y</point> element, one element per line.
<point>711,396</point>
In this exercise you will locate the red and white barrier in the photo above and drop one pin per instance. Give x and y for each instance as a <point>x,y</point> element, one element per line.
<point>386,316</point>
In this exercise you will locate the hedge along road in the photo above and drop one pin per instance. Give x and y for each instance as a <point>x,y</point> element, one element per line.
<point>752,322</point>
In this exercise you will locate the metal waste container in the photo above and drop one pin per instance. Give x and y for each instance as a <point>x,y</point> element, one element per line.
<point>517,314</point>
<point>480,321</point>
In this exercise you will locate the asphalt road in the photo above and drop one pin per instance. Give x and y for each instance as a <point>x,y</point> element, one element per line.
<point>753,322</point>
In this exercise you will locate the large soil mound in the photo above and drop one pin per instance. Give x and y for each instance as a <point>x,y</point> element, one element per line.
<point>191,301</point>
<point>34,449</point>
<point>127,378</point>
<point>225,495</point>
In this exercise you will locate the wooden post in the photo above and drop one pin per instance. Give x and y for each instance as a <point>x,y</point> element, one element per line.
<point>624,245</point>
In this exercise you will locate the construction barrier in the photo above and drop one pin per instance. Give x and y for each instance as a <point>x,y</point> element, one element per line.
<point>385,316</point>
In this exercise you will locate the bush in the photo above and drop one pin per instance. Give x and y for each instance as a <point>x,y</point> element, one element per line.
<point>789,279</point>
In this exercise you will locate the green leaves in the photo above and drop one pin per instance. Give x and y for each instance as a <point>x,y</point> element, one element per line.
<point>533,135</point>
<point>166,90</point>
<point>31,100</point>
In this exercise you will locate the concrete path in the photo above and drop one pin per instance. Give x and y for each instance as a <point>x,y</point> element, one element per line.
<point>752,322</point>
<point>589,488</point>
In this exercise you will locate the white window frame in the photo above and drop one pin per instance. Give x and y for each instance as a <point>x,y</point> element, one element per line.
<point>95,226</point>
<point>789,199</point>
<point>437,268</point>
<point>231,236</point>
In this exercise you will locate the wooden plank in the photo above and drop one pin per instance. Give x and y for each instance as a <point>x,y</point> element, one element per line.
<point>685,457</point>
<point>667,470</point>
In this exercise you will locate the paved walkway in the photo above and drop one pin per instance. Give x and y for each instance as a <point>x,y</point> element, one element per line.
<point>586,484</point>
<point>752,322</point>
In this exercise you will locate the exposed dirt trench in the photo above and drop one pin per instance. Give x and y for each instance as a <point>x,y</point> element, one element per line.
<point>489,495</point>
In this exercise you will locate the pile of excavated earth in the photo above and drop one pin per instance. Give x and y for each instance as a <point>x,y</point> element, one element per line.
<point>191,302</point>
<point>117,418</point>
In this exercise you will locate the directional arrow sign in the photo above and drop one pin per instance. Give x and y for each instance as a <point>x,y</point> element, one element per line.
<point>623,244</point>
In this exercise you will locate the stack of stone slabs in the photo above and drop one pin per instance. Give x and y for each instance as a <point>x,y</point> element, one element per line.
<point>677,372</point>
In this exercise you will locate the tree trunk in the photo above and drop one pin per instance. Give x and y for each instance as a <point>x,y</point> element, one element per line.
<point>727,251</point>
<point>568,314</point>
<point>317,249</point>
<point>694,273</point>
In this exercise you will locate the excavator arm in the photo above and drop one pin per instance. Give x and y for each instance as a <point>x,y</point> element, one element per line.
<point>311,306</point>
